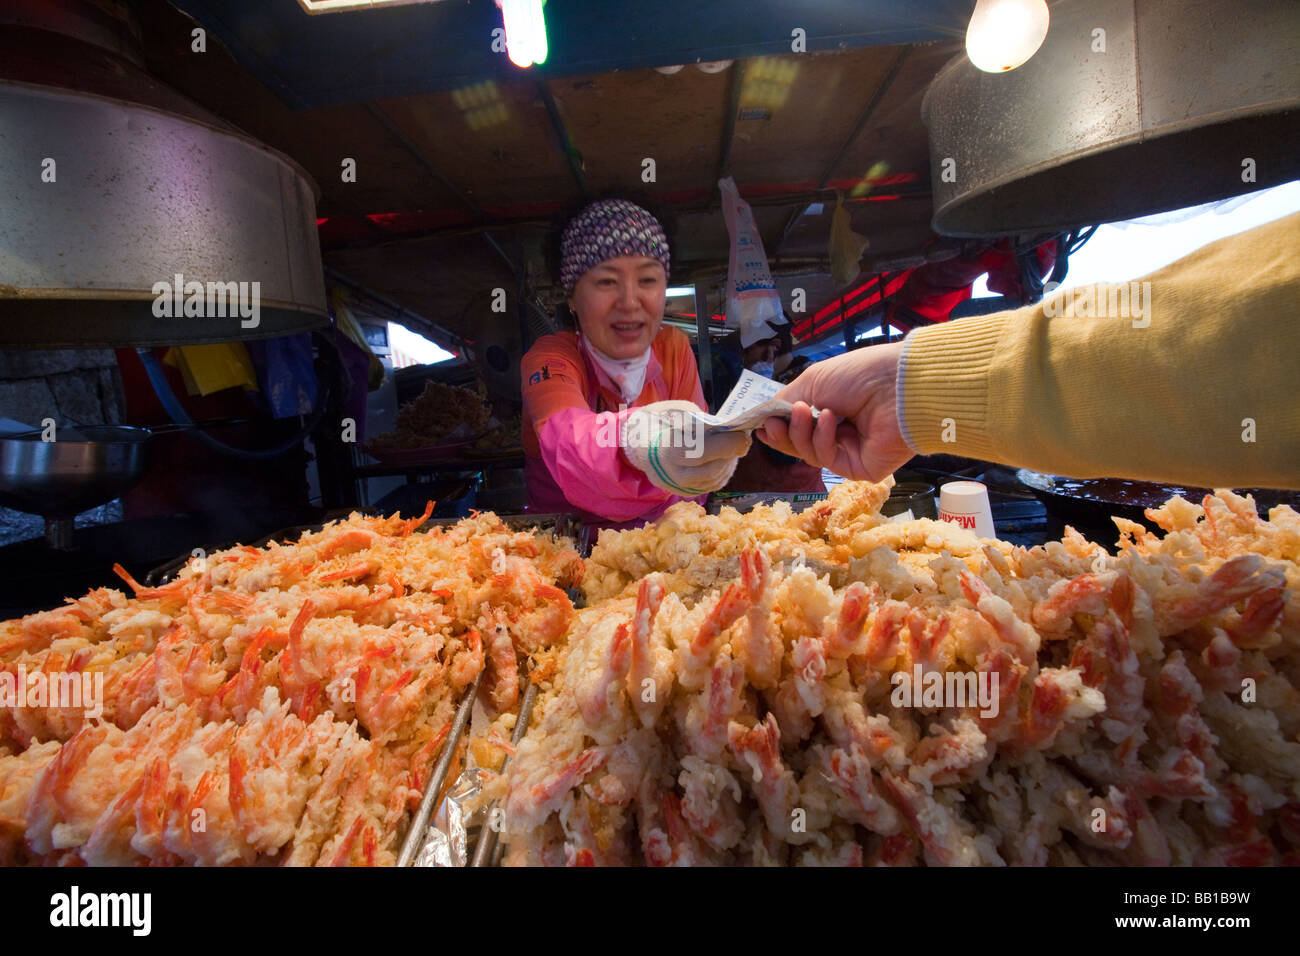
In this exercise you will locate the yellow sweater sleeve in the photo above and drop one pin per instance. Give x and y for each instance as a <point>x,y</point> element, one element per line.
<point>1189,375</point>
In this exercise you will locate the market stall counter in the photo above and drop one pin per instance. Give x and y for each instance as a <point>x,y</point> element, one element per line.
<point>826,686</point>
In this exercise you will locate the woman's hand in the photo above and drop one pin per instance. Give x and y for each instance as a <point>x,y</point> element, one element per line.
<point>673,447</point>
<point>856,433</point>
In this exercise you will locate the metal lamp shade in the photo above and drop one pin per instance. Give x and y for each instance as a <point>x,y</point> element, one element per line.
<point>1130,107</point>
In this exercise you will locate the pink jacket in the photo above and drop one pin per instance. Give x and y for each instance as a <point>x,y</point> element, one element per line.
<point>572,418</point>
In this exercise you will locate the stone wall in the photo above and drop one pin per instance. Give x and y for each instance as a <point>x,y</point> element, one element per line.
<point>80,386</point>
<point>71,386</point>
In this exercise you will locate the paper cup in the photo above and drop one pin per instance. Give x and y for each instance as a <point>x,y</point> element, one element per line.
<point>966,503</point>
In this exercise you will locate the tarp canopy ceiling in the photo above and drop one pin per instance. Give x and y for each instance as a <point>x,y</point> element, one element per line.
<point>453,145</point>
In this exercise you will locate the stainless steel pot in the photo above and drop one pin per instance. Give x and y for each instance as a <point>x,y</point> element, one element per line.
<point>83,467</point>
<point>161,224</point>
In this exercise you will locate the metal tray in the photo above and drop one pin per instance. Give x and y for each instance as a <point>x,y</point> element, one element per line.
<point>1090,502</point>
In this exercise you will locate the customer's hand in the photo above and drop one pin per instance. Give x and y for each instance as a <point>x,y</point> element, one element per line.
<point>677,451</point>
<point>856,433</point>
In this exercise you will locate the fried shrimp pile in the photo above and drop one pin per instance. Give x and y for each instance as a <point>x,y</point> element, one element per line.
<point>434,415</point>
<point>270,705</point>
<point>832,689</point>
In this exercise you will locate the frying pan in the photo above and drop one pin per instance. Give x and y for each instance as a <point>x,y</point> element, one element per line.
<point>1090,502</point>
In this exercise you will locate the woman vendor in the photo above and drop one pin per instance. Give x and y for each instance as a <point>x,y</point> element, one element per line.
<point>604,405</point>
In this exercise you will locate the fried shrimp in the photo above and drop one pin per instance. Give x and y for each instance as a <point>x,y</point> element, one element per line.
<point>268,705</point>
<point>832,689</point>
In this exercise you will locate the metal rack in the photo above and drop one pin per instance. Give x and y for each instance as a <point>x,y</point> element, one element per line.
<point>488,850</point>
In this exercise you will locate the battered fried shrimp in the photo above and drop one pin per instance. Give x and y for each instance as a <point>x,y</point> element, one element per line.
<point>833,689</point>
<point>273,704</point>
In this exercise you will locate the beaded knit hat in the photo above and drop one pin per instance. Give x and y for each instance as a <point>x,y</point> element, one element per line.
<point>606,229</point>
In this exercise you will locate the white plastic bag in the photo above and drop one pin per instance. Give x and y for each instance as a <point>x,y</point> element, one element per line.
<point>752,300</point>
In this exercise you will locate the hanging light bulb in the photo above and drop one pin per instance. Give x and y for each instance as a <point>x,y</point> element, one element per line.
<point>1003,34</point>
<point>525,31</point>
<point>537,30</point>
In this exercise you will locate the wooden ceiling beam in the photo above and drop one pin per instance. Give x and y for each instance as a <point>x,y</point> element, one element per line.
<point>734,84</point>
<point>571,154</point>
<point>802,199</point>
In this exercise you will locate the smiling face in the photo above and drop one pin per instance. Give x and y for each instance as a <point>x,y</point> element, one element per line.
<point>620,304</point>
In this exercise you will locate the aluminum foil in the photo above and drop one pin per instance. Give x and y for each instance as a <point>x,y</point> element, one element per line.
<point>446,841</point>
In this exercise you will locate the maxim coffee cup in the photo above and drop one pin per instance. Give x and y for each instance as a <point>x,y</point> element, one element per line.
<point>966,503</point>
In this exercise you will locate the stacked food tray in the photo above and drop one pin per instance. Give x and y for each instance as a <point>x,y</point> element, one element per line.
<point>292,696</point>
<point>832,688</point>
<point>774,687</point>
<point>486,852</point>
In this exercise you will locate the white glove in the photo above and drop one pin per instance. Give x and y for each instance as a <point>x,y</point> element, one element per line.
<point>677,449</point>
